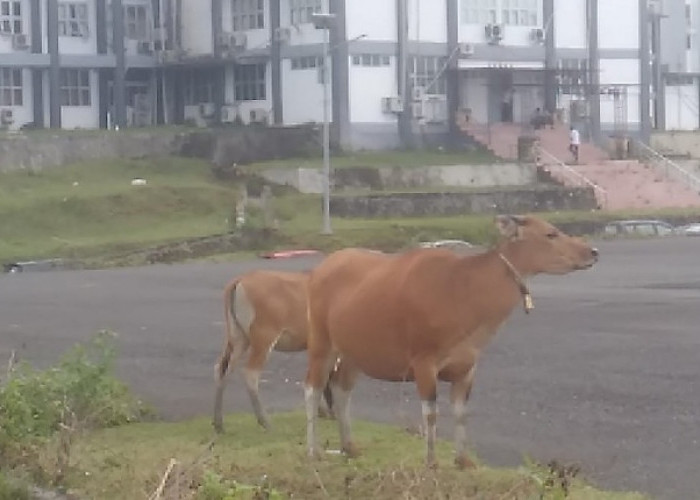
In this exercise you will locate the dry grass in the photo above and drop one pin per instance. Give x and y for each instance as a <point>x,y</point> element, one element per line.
<point>173,461</point>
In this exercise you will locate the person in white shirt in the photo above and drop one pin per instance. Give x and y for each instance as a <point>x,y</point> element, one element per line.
<point>574,143</point>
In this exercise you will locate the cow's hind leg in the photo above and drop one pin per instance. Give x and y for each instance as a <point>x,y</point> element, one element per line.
<point>341,383</point>
<point>227,362</point>
<point>321,362</point>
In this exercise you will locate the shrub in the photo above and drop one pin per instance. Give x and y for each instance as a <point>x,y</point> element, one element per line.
<point>80,391</point>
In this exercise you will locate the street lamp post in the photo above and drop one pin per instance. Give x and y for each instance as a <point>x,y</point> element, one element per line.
<point>326,22</point>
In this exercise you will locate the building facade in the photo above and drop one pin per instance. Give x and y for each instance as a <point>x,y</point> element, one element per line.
<point>401,70</point>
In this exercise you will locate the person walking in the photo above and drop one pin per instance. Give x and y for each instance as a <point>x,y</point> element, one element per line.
<point>574,142</point>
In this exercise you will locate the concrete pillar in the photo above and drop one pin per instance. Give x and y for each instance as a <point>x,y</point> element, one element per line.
<point>55,65</point>
<point>645,72</point>
<point>452,72</point>
<point>340,71</point>
<point>37,74</point>
<point>657,73</point>
<point>119,88</point>
<point>276,63</point>
<point>594,70</point>
<point>219,92</point>
<point>550,57</point>
<point>104,73</point>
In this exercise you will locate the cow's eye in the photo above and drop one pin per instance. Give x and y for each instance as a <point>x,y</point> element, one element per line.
<point>552,235</point>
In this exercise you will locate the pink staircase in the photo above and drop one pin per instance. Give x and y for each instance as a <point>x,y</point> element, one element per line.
<point>618,184</point>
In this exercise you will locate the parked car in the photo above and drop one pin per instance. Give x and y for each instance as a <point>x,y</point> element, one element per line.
<point>692,229</point>
<point>632,227</point>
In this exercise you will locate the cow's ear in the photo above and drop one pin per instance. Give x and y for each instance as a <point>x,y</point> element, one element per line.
<point>509,225</point>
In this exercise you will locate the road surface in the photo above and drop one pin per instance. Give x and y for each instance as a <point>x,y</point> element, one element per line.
<point>605,372</point>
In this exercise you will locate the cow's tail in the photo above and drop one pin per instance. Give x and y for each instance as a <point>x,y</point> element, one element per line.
<point>234,329</point>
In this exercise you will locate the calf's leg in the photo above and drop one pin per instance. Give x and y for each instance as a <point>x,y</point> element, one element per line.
<point>227,362</point>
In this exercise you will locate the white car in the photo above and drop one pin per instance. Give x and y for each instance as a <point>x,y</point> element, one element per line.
<point>690,229</point>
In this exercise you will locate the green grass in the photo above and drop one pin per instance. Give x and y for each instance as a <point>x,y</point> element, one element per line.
<point>399,158</point>
<point>44,214</point>
<point>128,462</point>
<point>103,218</point>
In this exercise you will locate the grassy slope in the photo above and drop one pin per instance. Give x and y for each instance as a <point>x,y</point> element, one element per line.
<point>128,462</point>
<point>44,215</point>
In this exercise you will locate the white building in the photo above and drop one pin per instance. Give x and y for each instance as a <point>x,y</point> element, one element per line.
<point>402,70</point>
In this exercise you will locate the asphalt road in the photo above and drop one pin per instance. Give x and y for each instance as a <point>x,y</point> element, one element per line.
<point>605,372</point>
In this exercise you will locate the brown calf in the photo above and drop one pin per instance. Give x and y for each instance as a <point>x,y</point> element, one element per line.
<point>424,316</point>
<point>264,310</point>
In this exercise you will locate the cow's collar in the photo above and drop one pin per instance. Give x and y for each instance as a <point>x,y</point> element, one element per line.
<point>524,291</point>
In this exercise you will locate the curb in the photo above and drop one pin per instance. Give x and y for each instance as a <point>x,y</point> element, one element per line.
<point>285,254</point>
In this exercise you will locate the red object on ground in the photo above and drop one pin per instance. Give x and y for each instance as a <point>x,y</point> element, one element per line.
<point>283,254</point>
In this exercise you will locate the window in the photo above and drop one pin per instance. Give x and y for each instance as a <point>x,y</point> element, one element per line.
<point>479,11</point>
<point>573,76</point>
<point>199,87</point>
<point>10,87</point>
<point>249,82</point>
<point>73,19</point>
<point>509,12</point>
<point>308,62</point>
<point>10,16</point>
<point>370,60</point>
<point>75,87</point>
<point>300,10</point>
<point>136,22</point>
<point>248,14</point>
<point>423,70</point>
<point>688,15</point>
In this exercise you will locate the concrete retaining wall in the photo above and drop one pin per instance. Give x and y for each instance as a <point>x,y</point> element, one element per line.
<point>677,143</point>
<point>38,150</point>
<point>456,203</point>
<point>310,180</point>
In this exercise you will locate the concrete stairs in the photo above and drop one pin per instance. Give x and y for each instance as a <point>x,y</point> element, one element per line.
<point>618,184</point>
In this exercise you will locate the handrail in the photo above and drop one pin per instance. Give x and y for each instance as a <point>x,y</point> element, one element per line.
<point>688,178</point>
<point>601,192</point>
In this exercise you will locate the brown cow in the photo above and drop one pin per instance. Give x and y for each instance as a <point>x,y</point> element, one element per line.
<point>264,310</point>
<point>424,315</point>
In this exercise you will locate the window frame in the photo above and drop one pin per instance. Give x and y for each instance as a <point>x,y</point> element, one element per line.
<point>75,25</point>
<point>137,28</point>
<point>518,13</point>
<point>250,82</point>
<point>422,71</point>
<point>247,15</point>
<point>11,86</point>
<point>76,88</point>
<point>300,11</point>
<point>11,17</point>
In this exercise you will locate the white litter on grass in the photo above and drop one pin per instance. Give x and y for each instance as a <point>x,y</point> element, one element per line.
<point>76,184</point>
<point>138,182</point>
<point>333,452</point>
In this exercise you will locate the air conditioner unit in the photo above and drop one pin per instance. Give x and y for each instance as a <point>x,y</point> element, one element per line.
<point>206,109</point>
<point>144,47</point>
<point>283,35</point>
<point>417,93</point>
<point>223,41</point>
<point>465,49</point>
<point>537,35</point>
<point>392,105</point>
<point>239,40</point>
<point>6,116</point>
<point>20,41</point>
<point>258,115</point>
<point>494,33</point>
<point>229,113</point>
